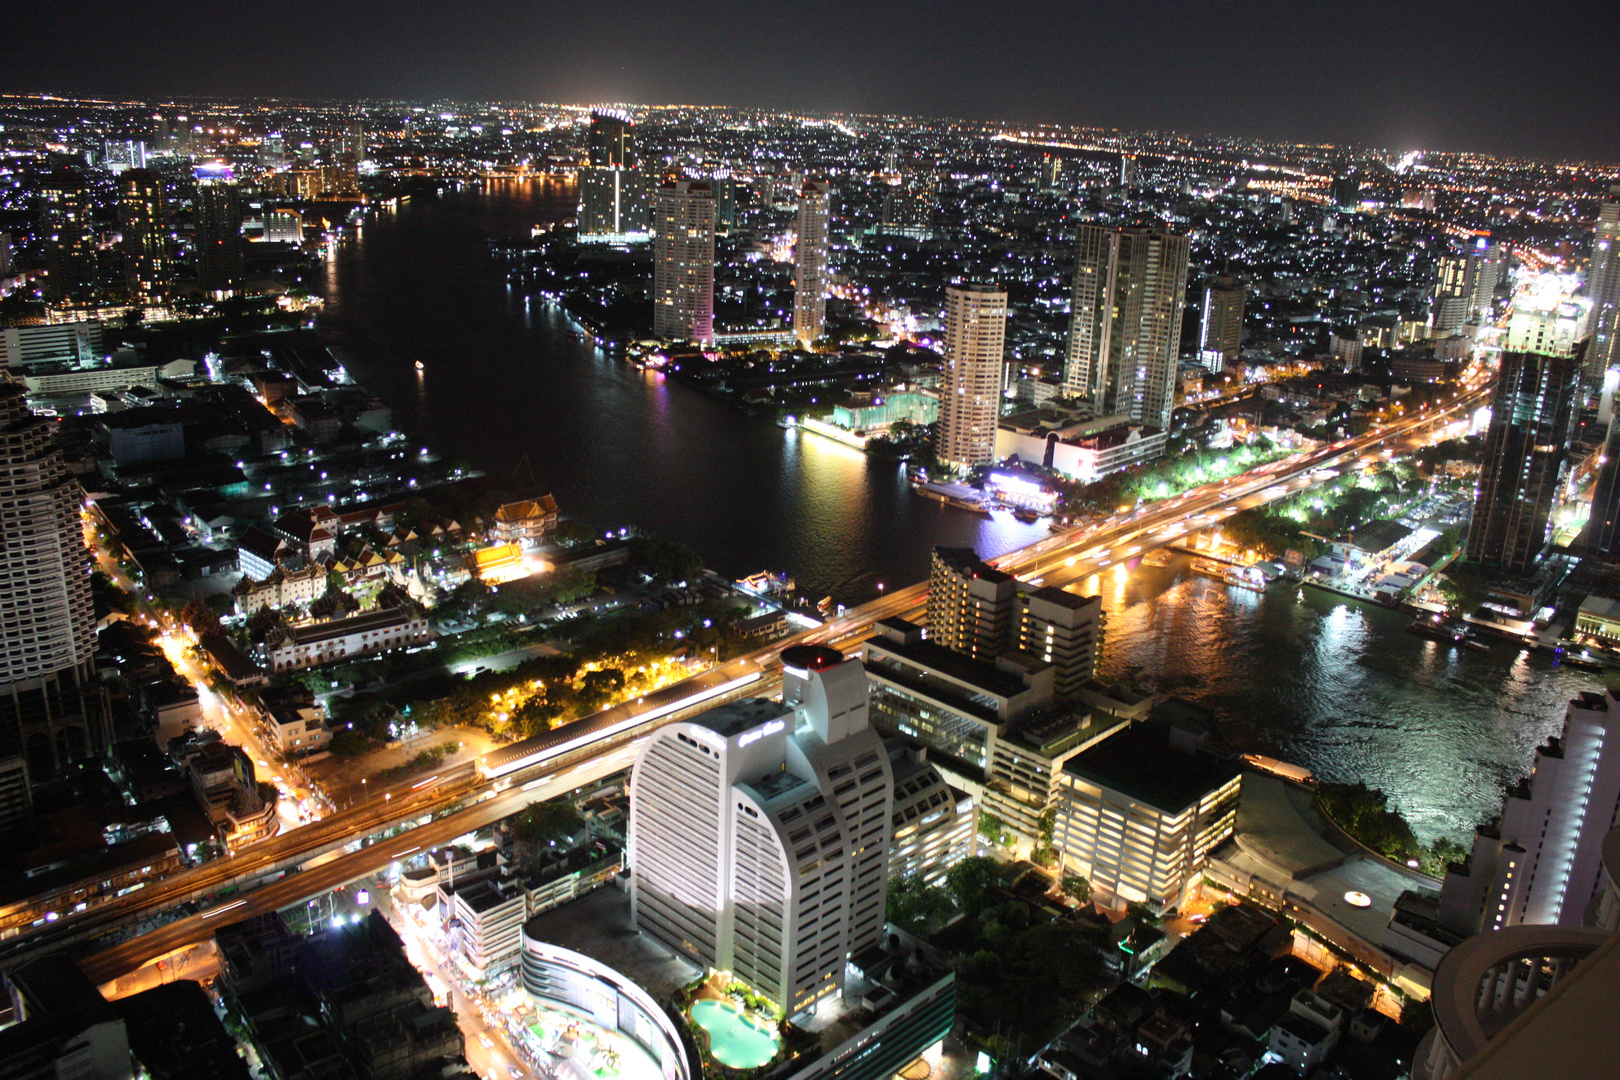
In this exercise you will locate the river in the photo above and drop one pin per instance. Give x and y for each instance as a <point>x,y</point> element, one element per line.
<point>1336,686</point>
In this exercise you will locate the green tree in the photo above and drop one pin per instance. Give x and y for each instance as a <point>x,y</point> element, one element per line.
<point>666,560</point>
<point>547,823</point>
<point>1077,887</point>
<point>991,828</point>
<point>202,619</point>
<point>915,905</point>
<point>972,882</point>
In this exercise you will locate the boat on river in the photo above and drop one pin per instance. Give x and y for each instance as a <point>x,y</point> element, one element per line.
<point>1438,628</point>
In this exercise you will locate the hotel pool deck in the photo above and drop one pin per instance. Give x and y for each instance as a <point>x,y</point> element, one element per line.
<point>735,1039</point>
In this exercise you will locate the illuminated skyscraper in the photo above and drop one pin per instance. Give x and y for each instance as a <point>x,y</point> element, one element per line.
<point>908,207</point>
<point>143,222</point>
<point>683,262</point>
<point>1221,334</point>
<point>612,190</point>
<point>1603,286</point>
<point>51,706</point>
<point>970,397</point>
<point>1125,321</point>
<point>1464,288</point>
<point>810,263</point>
<point>70,249</point>
<point>1527,444</point>
<point>218,237</point>
<point>1541,861</point>
<point>760,831</point>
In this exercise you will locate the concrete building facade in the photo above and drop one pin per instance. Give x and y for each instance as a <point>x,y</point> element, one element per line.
<point>1125,321</point>
<point>970,395</point>
<point>759,833</point>
<point>810,263</point>
<point>683,262</point>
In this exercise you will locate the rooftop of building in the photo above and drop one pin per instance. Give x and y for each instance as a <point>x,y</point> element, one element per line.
<point>966,562</point>
<point>527,508</point>
<point>1377,536</point>
<point>1063,598</point>
<point>977,674</point>
<point>736,717</point>
<point>354,624</point>
<point>1138,764</point>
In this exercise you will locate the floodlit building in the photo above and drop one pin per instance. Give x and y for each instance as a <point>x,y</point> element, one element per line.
<point>810,263</point>
<point>970,395</point>
<point>378,631</point>
<point>1125,321</point>
<point>76,344</point>
<point>981,612</point>
<point>970,604</point>
<point>760,832</point>
<point>683,262</point>
<point>992,730</point>
<point>1452,305</point>
<point>1138,817</point>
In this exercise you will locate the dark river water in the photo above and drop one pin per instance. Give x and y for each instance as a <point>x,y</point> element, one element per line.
<point>1336,686</point>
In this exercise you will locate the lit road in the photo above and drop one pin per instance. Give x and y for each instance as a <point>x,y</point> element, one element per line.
<point>328,875</point>
<point>605,742</point>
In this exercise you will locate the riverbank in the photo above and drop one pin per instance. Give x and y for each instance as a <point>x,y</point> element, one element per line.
<point>1339,687</point>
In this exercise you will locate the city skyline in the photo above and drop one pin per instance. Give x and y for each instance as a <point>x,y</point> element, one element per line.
<point>1370,77</point>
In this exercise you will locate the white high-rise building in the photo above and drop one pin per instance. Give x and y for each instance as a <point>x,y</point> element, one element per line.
<point>760,832</point>
<point>51,705</point>
<point>1455,285</point>
<point>1542,862</point>
<point>970,398</point>
<point>1603,286</point>
<point>683,262</point>
<point>1125,321</point>
<point>810,263</point>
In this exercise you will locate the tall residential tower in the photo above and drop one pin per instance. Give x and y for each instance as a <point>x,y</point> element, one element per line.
<point>1125,321</point>
<point>1220,335</point>
<point>612,190</point>
<point>970,397</point>
<point>810,263</point>
<point>1527,444</point>
<point>1603,286</point>
<point>143,222</point>
<point>683,262</point>
<point>51,706</point>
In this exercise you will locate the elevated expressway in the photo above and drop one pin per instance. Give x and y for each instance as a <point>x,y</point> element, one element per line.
<point>596,746</point>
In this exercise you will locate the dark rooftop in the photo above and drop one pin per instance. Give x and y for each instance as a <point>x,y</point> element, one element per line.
<point>953,665</point>
<point>1141,766</point>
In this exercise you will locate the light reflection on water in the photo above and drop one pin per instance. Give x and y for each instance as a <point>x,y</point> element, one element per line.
<point>1338,687</point>
<point>1341,688</point>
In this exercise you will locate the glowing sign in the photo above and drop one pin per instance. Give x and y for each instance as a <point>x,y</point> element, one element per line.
<point>760,732</point>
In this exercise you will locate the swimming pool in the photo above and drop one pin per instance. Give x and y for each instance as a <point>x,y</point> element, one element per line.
<point>735,1040</point>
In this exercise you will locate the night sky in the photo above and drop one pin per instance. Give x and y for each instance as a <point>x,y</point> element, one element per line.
<point>1538,79</point>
